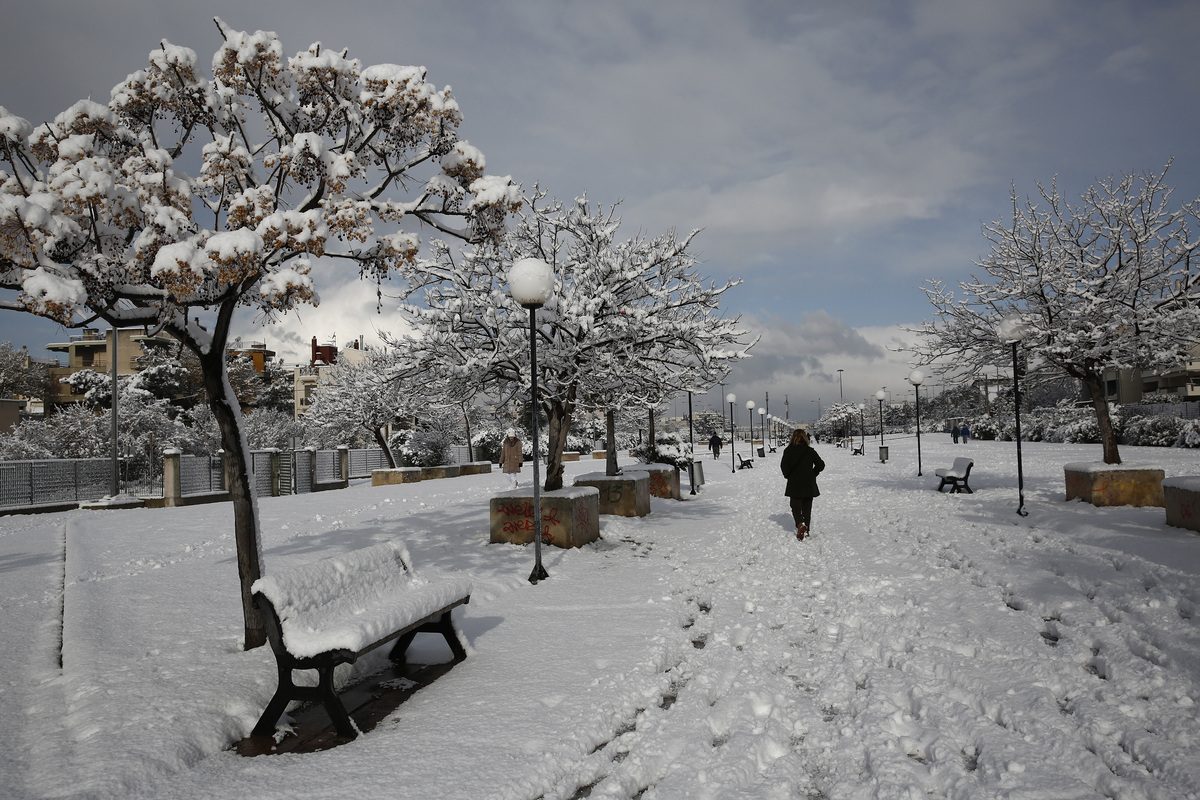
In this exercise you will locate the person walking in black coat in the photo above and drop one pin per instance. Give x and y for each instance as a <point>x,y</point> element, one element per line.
<point>714,444</point>
<point>801,465</point>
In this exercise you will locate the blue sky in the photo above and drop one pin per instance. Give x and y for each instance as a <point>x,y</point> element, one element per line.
<point>836,155</point>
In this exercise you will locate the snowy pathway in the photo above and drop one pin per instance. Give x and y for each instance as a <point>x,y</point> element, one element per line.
<point>916,645</point>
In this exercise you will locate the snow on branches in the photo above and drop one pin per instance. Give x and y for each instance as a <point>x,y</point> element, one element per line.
<point>628,323</point>
<point>302,158</point>
<point>1102,284</point>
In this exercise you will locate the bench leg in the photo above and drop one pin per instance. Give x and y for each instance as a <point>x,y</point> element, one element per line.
<point>279,703</point>
<point>333,706</point>
<point>445,627</point>
<point>401,646</point>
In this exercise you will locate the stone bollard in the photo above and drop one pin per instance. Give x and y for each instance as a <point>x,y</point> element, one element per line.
<point>1115,484</point>
<point>1182,498</point>
<point>664,479</point>
<point>172,480</point>
<point>570,516</point>
<point>625,495</point>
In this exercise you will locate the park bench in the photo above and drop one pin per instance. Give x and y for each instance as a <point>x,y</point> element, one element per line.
<point>956,476</point>
<point>744,463</point>
<point>857,449</point>
<point>335,610</point>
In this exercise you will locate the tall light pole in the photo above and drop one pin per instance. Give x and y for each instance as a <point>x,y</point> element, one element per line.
<point>114,485</point>
<point>915,378</point>
<point>731,398</point>
<point>862,429</point>
<point>530,282</point>
<point>881,395</point>
<point>1013,329</point>
<point>841,395</point>
<point>762,428</point>
<point>692,446</point>
<point>750,414</point>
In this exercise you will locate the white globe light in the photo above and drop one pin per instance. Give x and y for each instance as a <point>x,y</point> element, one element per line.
<point>881,395</point>
<point>916,377</point>
<point>731,398</point>
<point>750,404</point>
<point>762,412</point>
<point>530,282</point>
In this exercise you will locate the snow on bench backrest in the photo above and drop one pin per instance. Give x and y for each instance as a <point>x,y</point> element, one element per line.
<point>354,599</point>
<point>961,465</point>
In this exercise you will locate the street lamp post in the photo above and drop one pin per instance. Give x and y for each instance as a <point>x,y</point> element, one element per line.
<point>915,378</point>
<point>841,394</point>
<point>862,430</point>
<point>1014,330</point>
<point>692,446</point>
<point>750,414</point>
<point>881,395</point>
<point>530,282</point>
<point>731,398</point>
<point>762,427</point>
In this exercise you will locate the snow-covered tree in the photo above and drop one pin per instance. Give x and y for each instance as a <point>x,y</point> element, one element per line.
<point>291,160</point>
<point>1104,284</point>
<point>368,393</point>
<point>21,375</point>
<point>269,427</point>
<point>837,419</point>
<point>628,323</point>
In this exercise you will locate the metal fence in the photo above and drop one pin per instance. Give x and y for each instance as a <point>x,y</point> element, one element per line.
<point>362,462</point>
<point>49,482</point>
<point>40,482</point>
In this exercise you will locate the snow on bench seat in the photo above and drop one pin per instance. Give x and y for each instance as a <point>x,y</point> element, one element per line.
<point>350,601</point>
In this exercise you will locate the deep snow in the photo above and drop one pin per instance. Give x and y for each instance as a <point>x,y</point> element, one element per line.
<point>916,645</point>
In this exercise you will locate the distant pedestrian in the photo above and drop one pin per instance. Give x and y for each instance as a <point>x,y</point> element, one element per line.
<point>511,456</point>
<point>954,433</point>
<point>800,465</point>
<point>714,444</point>
<point>966,434</point>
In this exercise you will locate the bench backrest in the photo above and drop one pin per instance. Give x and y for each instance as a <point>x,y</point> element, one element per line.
<point>961,467</point>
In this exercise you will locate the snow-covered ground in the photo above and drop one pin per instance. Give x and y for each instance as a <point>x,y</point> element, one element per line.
<point>916,645</point>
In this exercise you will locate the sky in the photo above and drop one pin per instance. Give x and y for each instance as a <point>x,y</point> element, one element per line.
<point>835,156</point>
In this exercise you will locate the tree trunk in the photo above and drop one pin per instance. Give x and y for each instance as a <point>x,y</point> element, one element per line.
<point>610,443</point>
<point>1108,436</point>
<point>383,444</point>
<point>558,423</point>
<point>228,414</point>
<point>651,428</point>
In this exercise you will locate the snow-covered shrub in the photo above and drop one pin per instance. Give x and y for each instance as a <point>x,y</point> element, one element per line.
<point>430,448</point>
<point>669,448</point>
<point>985,427</point>
<point>1153,431</point>
<point>1189,436</point>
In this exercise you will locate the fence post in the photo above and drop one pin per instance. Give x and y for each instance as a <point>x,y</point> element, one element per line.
<point>344,461</point>
<point>172,479</point>
<point>312,467</point>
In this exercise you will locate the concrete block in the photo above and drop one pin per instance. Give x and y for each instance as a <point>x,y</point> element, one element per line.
<point>625,495</point>
<point>570,516</point>
<point>390,477</point>
<point>1182,499</point>
<point>1115,484</point>
<point>664,479</point>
